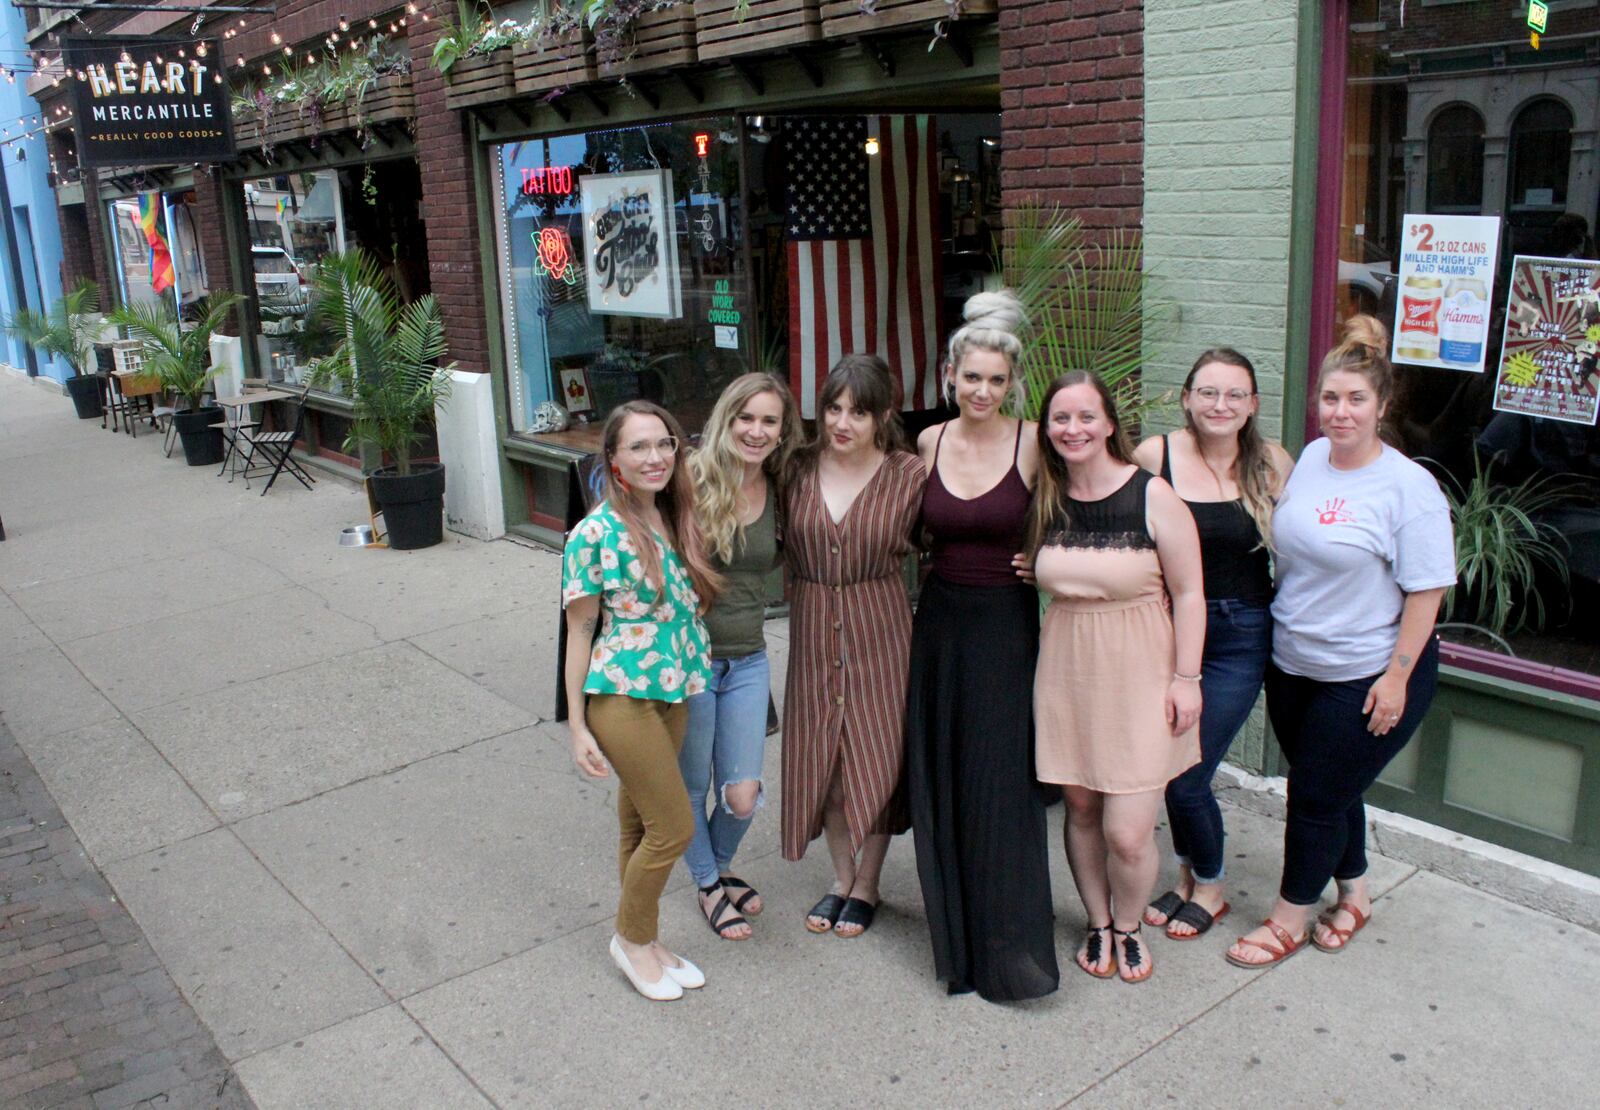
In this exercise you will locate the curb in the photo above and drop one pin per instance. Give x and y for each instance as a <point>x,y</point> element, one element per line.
<point>1525,880</point>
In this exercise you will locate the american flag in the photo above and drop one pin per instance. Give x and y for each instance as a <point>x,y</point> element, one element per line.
<point>863,250</point>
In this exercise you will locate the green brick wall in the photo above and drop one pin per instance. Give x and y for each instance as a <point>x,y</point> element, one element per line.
<point>1219,129</point>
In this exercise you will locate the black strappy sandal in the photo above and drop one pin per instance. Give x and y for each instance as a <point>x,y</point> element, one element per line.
<point>1094,951</point>
<point>716,919</point>
<point>1130,955</point>
<point>733,884</point>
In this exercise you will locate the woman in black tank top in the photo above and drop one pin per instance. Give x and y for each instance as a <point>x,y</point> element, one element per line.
<point>979,821</point>
<point>1229,476</point>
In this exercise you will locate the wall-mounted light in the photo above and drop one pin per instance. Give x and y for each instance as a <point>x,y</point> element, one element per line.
<point>872,145</point>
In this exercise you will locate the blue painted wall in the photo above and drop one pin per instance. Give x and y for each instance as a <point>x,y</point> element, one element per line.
<point>33,201</point>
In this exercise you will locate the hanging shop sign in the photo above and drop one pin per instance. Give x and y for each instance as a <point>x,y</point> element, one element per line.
<point>1446,281</point>
<point>138,102</point>
<point>1551,346</point>
<point>632,264</point>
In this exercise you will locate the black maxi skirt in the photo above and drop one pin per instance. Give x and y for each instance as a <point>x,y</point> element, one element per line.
<point>977,813</point>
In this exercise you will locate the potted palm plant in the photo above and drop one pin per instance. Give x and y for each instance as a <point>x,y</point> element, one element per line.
<point>69,330</point>
<point>388,360</point>
<point>179,355</point>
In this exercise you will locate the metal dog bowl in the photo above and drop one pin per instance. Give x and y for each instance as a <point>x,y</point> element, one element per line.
<point>356,535</point>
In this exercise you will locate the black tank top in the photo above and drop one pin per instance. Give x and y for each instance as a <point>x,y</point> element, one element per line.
<point>1235,562</point>
<point>974,538</point>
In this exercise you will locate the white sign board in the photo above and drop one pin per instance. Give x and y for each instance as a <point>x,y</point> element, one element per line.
<point>1441,315</point>
<point>629,243</point>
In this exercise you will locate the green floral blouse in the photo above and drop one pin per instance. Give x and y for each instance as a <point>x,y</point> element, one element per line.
<point>652,644</point>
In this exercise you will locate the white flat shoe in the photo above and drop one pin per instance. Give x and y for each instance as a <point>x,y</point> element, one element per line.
<point>664,989</point>
<point>686,975</point>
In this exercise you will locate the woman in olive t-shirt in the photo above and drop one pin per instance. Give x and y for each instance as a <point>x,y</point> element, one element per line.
<point>749,438</point>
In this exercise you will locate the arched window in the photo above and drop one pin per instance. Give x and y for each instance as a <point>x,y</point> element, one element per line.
<point>1541,152</point>
<point>1455,161</point>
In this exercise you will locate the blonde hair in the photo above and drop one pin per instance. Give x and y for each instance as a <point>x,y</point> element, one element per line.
<point>1363,349</point>
<point>718,469</point>
<point>676,503</point>
<point>1252,469</point>
<point>994,322</point>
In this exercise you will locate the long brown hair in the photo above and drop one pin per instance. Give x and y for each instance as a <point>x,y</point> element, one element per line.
<point>676,503</point>
<point>718,469</point>
<point>1253,469</point>
<point>872,387</point>
<point>1049,510</point>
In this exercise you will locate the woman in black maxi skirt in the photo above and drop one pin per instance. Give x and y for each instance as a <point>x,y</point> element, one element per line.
<point>976,811</point>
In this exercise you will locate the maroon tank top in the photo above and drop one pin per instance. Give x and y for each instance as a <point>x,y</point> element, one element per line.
<point>974,539</point>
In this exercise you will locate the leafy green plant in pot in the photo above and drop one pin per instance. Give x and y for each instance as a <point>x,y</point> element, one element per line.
<point>69,330</point>
<point>179,355</point>
<point>388,359</point>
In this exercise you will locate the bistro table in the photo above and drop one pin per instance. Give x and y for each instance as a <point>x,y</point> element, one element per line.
<point>236,409</point>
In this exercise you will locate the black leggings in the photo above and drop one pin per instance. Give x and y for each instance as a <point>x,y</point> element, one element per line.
<point>1332,760</point>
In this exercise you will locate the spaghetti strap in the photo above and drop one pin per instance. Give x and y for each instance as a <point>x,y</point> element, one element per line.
<point>1166,460</point>
<point>938,443</point>
<point>1016,451</point>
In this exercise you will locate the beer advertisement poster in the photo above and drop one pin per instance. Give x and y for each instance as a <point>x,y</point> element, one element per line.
<point>1552,340</point>
<point>143,102</point>
<point>632,262</point>
<point>1441,315</point>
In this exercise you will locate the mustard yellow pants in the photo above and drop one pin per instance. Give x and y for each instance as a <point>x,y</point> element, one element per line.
<point>641,739</point>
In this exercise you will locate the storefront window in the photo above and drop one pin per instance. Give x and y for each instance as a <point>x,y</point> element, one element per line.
<point>157,249</point>
<point>1497,380</point>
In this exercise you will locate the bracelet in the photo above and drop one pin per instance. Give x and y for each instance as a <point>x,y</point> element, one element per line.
<point>1176,677</point>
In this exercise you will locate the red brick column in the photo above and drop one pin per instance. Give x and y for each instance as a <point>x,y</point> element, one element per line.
<point>1072,107</point>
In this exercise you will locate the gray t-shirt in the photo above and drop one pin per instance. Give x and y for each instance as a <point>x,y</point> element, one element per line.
<point>1350,545</point>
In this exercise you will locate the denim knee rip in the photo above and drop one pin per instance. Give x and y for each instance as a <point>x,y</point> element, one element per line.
<point>761,797</point>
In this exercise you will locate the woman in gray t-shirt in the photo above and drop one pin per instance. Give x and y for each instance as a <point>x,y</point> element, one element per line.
<point>1364,556</point>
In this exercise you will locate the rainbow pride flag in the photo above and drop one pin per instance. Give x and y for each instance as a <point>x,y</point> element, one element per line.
<point>161,275</point>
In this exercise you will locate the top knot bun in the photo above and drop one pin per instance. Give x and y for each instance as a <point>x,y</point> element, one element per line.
<point>999,310</point>
<point>1368,331</point>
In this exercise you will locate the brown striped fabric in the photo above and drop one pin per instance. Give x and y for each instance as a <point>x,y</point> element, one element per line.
<point>849,643</point>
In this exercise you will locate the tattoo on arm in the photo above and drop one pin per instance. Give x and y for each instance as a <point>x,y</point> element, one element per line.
<point>1405,661</point>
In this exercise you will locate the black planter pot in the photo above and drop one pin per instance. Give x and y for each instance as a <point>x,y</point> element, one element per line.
<point>412,506</point>
<point>85,392</point>
<point>200,432</point>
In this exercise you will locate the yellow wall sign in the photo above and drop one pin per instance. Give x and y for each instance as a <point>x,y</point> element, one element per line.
<point>1538,15</point>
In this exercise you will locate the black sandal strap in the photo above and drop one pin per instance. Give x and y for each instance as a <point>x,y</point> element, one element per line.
<point>857,911</point>
<point>733,882</point>
<point>1194,915</point>
<point>720,924</point>
<point>1168,904</point>
<point>828,908</point>
<point>1092,950</point>
<point>1131,950</point>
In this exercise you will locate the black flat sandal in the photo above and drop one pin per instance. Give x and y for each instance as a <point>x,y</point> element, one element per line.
<point>733,885</point>
<point>1167,906</point>
<point>857,911</point>
<point>828,907</point>
<point>719,921</point>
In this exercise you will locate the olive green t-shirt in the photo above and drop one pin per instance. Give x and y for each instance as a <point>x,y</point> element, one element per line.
<point>735,620</point>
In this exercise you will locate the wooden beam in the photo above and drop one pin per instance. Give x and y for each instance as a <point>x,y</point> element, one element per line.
<point>691,87</point>
<point>752,75</point>
<point>877,53</point>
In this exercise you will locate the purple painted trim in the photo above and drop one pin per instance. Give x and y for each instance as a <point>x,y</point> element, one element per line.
<point>1330,199</point>
<point>1541,675</point>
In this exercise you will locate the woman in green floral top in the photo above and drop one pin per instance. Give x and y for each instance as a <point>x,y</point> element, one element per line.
<point>636,569</point>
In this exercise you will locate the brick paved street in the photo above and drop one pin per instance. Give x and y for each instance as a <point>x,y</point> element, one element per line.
<point>88,1016</point>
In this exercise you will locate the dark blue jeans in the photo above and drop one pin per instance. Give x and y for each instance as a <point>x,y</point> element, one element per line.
<point>1332,760</point>
<point>1238,646</point>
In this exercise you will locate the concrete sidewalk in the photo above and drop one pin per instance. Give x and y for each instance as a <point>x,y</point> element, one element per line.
<point>321,781</point>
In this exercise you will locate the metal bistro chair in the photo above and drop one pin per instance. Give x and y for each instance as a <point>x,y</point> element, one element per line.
<point>275,449</point>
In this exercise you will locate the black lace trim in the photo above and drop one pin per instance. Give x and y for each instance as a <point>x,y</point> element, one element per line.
<point>1099,541</point>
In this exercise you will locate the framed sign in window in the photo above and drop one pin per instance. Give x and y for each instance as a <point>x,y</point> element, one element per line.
<point>630,241</point>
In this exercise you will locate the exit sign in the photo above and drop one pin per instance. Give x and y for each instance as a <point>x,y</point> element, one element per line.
<point>1538,15</point>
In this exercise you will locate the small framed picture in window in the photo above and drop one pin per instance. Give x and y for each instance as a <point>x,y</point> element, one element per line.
<point>576,396</point>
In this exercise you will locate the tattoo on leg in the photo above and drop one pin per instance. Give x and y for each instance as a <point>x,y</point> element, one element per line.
<point>588,628</point>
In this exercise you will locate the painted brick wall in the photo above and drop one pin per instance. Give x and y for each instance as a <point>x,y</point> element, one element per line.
<point>1071,98</point>
<point>1219,128</point>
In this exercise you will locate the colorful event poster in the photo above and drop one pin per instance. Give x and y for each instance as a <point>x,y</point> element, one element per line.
<point>1446,287</point>
<point>1552,339</point>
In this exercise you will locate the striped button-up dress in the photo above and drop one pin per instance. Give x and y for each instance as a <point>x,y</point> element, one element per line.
<point>849,644</point>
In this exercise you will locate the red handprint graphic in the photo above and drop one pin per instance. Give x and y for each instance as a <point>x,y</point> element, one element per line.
<point>1333,511</point>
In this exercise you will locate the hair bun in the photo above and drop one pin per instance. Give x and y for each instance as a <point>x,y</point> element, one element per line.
<point>1368,331</point>
<point>997,310</point>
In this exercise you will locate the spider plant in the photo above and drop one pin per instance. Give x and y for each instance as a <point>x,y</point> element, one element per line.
<point>387,356</point>
<point>1087,300</point>
<point>178,354</point>
<point>1501,547</point>
<point>69,330</point>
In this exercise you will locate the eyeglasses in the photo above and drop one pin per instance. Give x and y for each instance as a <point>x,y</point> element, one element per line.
<point>642,449</point>
<point>1236,398</point>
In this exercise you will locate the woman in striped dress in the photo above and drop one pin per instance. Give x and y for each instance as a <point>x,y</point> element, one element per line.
<point>849,520</point>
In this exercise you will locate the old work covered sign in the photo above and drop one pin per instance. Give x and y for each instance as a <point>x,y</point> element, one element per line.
<point>143,102</point>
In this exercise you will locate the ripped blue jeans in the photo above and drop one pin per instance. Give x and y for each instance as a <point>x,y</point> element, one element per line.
<point>725,742</point>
